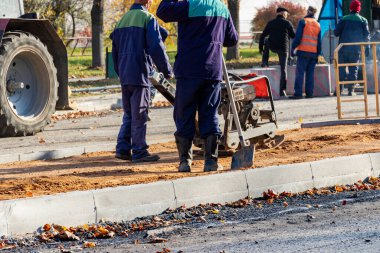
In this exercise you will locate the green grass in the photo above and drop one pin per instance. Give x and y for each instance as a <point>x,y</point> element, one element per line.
<point>80,66</point>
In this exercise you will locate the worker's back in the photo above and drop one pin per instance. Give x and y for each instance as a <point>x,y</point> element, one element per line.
<point>204,26</point>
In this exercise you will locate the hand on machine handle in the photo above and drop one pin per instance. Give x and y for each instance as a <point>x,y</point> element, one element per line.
<point>169,76</point>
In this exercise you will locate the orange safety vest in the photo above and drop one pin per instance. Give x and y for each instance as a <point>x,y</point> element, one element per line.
<point>309,41</point>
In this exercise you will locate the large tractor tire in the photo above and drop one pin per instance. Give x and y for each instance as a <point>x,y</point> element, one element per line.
<point>28,85</point>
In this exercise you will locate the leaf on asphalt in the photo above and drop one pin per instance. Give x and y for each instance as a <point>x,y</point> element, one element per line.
<point>155,239</point>
<point>164,250</point>
<point>59,228</point>
<point>214,211</point>
<point>46,237</point>
<point>41,140</point>
<point>68,236</point>
<point>285,204</point>
<point>5,246</point>
<point>89,245</point>
<point>240,203</point>
<point>338,188</point>
<point>47,227</point>
<point>344,202</point>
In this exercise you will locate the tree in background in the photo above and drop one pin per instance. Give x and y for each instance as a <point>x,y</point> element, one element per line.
<point>58,10</point>
<point>266,14</point>
<point>97,18</point>
<point>234,7</point>
<point>115,9</point>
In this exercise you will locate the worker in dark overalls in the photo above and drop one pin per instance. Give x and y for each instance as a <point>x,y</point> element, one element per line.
<point>352,28</point>
<point>279,31</point>
<point>204,27</point>
<point>136,43</point>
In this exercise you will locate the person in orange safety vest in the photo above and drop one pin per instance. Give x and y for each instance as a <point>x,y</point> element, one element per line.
<point>307,47</point>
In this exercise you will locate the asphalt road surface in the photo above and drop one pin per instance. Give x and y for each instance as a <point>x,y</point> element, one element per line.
<point>346,222</point>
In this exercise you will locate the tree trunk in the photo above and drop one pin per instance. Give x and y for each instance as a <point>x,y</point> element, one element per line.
<point>74,25</point>
<point>234,7</point>
<point>97,33</point>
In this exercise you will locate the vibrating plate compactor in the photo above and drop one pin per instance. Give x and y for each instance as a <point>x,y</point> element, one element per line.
<point>255,113</point>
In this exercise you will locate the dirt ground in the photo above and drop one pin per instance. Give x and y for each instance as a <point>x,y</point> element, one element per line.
<point>100,170</point>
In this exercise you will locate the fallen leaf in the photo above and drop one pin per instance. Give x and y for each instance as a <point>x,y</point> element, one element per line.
<point>89,245</point>
<point>344,202</point>
<point>68,236</point>
<point>215,211</point>
<point>155,239</point>
<point>285,204</point>
<point>41,140</point>
<point>47,227</point>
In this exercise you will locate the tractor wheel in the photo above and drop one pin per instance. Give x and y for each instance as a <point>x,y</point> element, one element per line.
<point>28,85</point>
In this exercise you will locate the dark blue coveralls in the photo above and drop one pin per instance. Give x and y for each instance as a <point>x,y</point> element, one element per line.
<point>306,62</point>
<point>352,28</point>
<point>136,42</point>
<point>204,27</point>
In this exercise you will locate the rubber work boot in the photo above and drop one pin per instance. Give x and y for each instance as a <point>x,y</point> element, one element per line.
<point>185,152</point>
<point>147,159</point>
<point>211,154</point>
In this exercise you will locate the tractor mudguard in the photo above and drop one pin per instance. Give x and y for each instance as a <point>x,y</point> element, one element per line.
<point>45,32</point>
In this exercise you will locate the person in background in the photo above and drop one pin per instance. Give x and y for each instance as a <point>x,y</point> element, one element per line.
<point>265,54</point>
<point>307,45</point>
<point>204,27</point>
<point>279,31</point>
<point>350,29</point>
<point>137,43</point>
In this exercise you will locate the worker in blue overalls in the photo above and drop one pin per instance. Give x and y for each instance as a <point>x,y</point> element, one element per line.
<point>136,42</point>
<point>204,27</point>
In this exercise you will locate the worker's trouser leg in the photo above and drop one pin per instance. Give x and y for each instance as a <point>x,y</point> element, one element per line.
<point>283,58</point>
<point>193,95</point>
<point>132,135</point>
<point>348,57</point>
<point>309,80</point>
<point>305,65</point>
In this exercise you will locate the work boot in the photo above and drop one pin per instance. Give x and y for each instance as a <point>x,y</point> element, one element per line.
<point>146,159</point>
<point>126,157</point>
<point>211,154</point>
<point>185,152</point>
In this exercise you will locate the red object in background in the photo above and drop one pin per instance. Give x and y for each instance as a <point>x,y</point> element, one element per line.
<point>260,85</point>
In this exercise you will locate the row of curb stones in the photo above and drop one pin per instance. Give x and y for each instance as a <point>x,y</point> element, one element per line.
<point>126,203</point>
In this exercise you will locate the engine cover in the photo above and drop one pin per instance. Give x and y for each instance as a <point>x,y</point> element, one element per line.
<point>244,93</point>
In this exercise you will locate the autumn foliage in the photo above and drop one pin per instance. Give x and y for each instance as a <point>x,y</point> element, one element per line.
<point>265,14</point>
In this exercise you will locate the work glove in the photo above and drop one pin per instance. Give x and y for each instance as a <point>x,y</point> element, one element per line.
<point>321,60</point>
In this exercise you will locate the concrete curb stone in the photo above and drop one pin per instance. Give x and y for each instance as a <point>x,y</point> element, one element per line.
<point>10,158</point>
<point>52,154</point>
<point>375,160</point>
<point>218,188</point>
<point>129,202</point>
<point>341,170</point>
<point>71,209</point>
<point>291,178</point>
<point>3,220</point>
<point>340,122</point>
<point>99,148</point>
